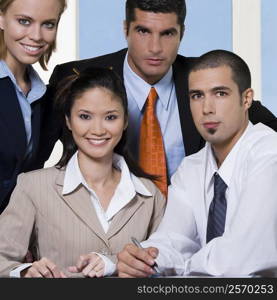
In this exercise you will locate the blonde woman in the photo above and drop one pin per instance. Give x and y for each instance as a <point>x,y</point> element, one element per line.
<point>28,31</point>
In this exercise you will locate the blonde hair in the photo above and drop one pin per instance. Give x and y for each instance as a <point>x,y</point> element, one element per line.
<point>4,5</point>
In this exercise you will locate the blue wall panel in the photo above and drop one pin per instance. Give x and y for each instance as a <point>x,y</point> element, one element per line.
<point>100,27</point>
<point>208,26</point>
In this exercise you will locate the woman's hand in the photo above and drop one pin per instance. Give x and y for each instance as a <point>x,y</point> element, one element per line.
<point>91,265</point>
<point>29,258</point>
<point>43,268</point>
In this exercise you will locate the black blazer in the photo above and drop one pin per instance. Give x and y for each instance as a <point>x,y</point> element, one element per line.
<point>191,138</point>
<point>13,140</point>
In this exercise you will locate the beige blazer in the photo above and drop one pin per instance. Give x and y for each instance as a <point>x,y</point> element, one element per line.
<point>62,228</point>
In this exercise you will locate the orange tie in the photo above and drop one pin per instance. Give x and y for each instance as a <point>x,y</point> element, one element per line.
<point>151,151</point>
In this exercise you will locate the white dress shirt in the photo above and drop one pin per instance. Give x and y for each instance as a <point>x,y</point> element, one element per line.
<point>167,113</point>
<point>249,243</point>
<point>125,191</point>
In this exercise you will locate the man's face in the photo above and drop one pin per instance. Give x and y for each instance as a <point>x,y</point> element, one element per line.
<point>219,110</point>
<point>153,42</point>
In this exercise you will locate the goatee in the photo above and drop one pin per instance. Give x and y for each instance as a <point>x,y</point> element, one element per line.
<point>211,130</point>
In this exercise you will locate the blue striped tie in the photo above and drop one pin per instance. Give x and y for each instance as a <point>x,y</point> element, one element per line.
<point>217,211</point>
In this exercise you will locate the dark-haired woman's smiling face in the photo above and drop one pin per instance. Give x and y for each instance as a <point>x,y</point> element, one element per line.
<point>97,122</point>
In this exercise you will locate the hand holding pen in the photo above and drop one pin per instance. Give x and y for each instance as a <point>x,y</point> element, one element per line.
<point>137,243</point>
<point>136,262</point>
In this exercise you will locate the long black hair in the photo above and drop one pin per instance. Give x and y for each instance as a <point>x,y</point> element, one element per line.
<point>70,89</point>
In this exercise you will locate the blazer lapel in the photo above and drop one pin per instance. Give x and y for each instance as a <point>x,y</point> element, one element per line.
<point>80,203</point>
<point>10,113</point>
<point>191,138</point>
<point>123,216</point>
<point>114,61</point>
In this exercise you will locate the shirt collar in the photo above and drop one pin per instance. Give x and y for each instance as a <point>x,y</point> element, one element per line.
<point>127,188</point>
<point>140,88</point>
<point>129,183</point>
<point>4,70</point>
<point>127,178</point>
<point>38,87</point>
<point>73,177</point>
<point>226,169</point>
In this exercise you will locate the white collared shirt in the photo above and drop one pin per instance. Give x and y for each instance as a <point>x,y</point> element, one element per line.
<point>128,185</point>
<point>249,243</point>
<point>127,188</point>
<point>125,191</point>
<point>225,171</point>
<point>167,113</point>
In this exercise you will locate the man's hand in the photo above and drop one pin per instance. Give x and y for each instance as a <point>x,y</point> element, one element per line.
<point>91,265</point>
<point>43,268</point>
<point>136,262</point>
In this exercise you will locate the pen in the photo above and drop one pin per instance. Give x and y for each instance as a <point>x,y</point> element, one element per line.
<point>137,243</point>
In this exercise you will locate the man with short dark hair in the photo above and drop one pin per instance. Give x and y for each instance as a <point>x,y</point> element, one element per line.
<point>222,211</point>
<point>154,30</point>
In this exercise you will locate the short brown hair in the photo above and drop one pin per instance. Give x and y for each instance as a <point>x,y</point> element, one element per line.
<point>217,58</point>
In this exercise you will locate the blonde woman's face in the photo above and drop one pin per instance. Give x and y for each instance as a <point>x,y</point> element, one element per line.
<point>30,28</point>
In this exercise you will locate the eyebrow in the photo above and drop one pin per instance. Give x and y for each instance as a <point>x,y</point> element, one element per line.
<point>107,112</point>
<point>30,18</point>
<point>194,91</point>
<point>141,27</point>
<point>84,110</point>
<point>171,29</point>
<point>215,89</point>
<point>112,111</point>
<point>220,88</point>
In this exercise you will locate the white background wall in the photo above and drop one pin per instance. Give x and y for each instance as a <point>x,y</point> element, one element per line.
<point>67,50</point>
<point>247,37</point>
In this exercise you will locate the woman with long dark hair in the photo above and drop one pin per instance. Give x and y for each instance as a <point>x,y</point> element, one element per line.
<point>79,214</point>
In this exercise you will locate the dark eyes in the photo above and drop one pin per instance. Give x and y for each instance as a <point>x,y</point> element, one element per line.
<point>199,95</point>
<point>142,30</point>
<point>168,33</point>
<point>221,93</point>
<point>145,31</point>
<point>88,117</point>
<point>196,96</point>
<point>111,117</point>
<point>84,117</point>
